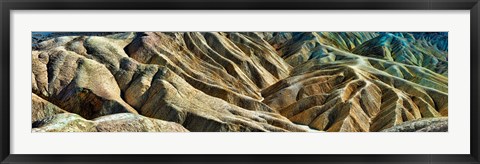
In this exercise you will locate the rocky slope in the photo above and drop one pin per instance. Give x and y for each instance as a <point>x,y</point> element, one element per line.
<point>238,81</point>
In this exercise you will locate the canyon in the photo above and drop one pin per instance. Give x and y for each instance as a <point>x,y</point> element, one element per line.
<point>240,82</point>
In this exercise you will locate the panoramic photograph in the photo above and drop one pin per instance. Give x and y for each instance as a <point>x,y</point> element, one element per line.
<point>239,82</point>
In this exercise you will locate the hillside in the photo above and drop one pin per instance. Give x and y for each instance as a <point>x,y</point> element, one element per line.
<point>239,81</point>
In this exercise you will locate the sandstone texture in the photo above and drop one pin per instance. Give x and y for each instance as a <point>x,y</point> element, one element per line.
<point>439,124</point>
<point>121,122</point>
<point>239,82</point>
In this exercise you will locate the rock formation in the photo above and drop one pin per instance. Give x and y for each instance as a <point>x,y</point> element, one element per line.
<point>120,122</point>
<point>239,81</point>
<point>438,124</point>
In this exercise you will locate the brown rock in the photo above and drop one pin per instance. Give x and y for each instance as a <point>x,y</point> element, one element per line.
<point>76,84</point>
<point>121,122</point>
<point>439,124</point>
<point>42,108</point>
<point>247,81</point>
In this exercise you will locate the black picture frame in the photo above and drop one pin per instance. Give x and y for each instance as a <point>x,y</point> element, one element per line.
<point>8,5</point>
